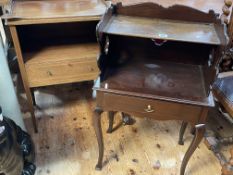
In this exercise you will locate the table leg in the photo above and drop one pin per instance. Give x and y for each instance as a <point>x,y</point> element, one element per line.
<point>193,130</point>
<point>181,134</point>
<point>19,54</point>
<point>111,119</point>
<point>33,97</point>
<point>127,119</point>
<point>200,130</point>
<point>99,135</point>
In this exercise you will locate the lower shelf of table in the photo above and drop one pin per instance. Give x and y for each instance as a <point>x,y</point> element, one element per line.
<point>61,64</point>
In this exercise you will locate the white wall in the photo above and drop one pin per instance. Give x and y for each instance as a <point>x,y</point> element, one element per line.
<point>8,98</point>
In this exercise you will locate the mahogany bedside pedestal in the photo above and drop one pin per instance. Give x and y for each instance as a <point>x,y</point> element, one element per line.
<point>158,63</point>
<point>55,42</point>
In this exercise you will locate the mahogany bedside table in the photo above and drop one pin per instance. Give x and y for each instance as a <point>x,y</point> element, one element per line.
<point>55,42</point>
<point>158,63</point>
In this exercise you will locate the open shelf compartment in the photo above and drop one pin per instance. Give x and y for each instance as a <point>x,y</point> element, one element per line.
<point>159,80</point>
<point>55,55</point>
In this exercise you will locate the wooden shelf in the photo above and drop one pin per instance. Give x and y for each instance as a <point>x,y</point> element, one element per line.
<point>162,29</point>
<point>159,80</point>
<point>54,11</point>
<point>53,53</point>
<point>62,64</point>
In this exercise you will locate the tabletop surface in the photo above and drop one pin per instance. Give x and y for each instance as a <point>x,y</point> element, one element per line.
<point>56,8</point>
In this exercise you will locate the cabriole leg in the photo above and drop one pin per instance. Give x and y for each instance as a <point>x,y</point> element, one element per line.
<point>111,119</point>
<point>182,131</point>
<point>200,130</point>
<point>99,135</point>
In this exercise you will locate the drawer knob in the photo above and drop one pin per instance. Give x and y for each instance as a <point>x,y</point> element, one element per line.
<point>149,109</point>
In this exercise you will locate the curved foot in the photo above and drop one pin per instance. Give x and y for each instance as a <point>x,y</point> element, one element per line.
<point>181,134</point>
<point>98,167</point>
<point>199,134</point>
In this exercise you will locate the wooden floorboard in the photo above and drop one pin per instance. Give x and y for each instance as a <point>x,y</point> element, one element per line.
<point>66,143</point>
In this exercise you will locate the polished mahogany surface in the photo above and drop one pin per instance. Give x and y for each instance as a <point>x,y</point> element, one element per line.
<point>159,80</point>
<point>203,5</point>
<point>162,29</point>
<point>179,65</point>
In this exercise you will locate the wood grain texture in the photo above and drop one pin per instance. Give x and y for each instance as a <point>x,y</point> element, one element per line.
<point>119,53</point>
<point>203,5</point>
<point>66,143</point>
<point>138,84</point>
<point>162,29</point>
<point>50,11</point>
<point>56,53</point>
<point>199,134</point>
<point>43,57</point>
<point>154,10</point>
<point>62,72</point>
<point>158,80</point>
<point>18,50</point>
<point>62,64</point>
<point>156,109</point>
<point>131,105</point>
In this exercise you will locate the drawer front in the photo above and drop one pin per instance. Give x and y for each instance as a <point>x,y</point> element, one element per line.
<point>161,110</point>
<point>69,71</point>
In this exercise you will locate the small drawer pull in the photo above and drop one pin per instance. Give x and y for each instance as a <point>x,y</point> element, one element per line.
<point>149,109</point>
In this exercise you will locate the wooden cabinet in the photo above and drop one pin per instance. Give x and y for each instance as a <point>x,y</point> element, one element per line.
<point>55,41</point>
<point>160,63</point>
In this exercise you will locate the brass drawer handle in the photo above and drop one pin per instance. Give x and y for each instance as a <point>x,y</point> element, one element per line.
<point>149,109</point>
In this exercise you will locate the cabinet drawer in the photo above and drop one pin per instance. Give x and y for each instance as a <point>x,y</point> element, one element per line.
<point>63,71</point>
<point>159,109</point>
